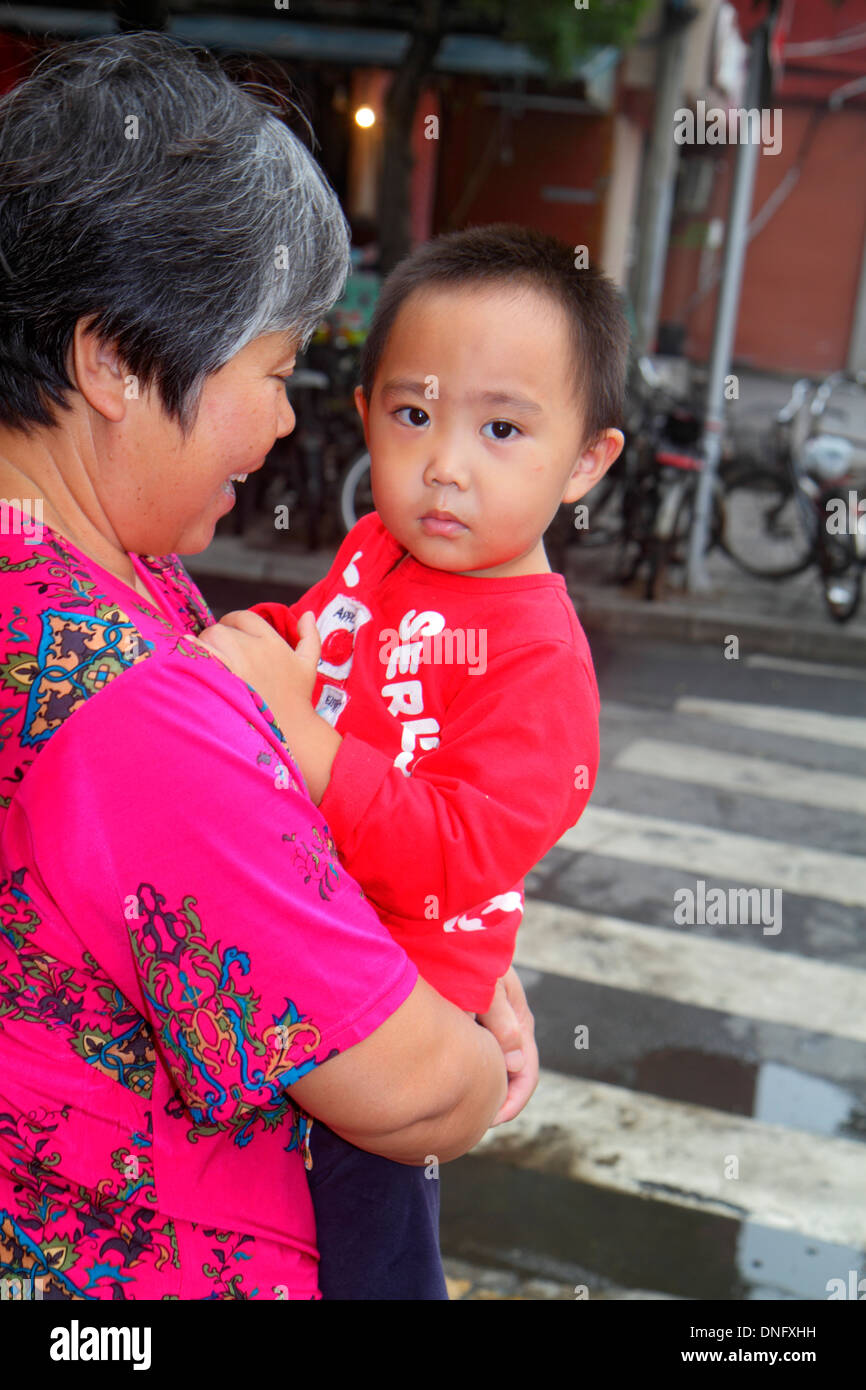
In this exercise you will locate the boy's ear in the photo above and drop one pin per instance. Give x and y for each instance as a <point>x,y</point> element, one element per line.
<point>593,464</point>
<point>363,410</point>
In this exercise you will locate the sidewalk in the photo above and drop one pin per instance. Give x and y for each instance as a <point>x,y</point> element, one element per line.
<point>781,618</point>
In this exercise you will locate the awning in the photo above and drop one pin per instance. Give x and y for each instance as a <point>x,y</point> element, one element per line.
<point>284,37</point>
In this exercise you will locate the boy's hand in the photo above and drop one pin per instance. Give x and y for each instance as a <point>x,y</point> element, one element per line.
<point>251,649</point>
<point>511,1022</point>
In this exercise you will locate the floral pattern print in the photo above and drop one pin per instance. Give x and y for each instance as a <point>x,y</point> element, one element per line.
<point>151,1021</point>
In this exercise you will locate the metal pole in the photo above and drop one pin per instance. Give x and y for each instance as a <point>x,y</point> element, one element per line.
<point>726,320</point>
<point>660,177</point>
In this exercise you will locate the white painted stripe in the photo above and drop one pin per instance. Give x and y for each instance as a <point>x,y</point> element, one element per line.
<point>704,853</point>
<point>806,668</point>
<point>677,964</point>
<point>775,719</point>
<point>643,1146</point>
<point>731,772</point>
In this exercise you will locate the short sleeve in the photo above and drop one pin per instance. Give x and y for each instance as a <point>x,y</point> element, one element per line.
<point>173,830</point>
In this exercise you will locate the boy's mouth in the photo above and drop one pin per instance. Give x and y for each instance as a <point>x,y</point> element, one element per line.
<point>436,523</point>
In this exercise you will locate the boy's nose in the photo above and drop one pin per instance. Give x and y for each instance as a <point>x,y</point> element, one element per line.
<point>446,467</point>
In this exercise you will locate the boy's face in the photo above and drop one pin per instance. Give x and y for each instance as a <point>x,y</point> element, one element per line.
<point>473,413</point>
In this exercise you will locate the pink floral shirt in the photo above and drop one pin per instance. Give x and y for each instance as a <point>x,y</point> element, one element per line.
<point>178,943</point>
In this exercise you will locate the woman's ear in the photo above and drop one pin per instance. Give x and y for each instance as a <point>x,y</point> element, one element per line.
<point>594,463</point>
<point>98,372</point>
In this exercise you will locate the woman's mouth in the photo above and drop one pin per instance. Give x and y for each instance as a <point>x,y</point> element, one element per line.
<point>228,486</point>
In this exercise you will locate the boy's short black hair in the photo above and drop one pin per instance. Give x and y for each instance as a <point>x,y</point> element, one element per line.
<point>510,254</point>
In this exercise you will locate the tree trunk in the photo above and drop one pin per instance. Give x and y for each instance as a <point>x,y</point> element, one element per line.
<point>400,106</point>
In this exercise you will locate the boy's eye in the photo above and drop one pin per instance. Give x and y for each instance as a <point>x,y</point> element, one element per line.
<point>417,416</point>
<point>501,429</point>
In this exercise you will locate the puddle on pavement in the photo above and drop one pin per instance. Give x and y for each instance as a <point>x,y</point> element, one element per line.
<point>766,1091</point>
<point>578,1233</point>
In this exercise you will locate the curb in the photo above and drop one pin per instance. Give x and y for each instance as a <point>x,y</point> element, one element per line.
<point>677,621</point>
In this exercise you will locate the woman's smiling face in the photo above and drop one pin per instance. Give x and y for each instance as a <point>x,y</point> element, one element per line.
<point>164,493</point>
<point>473,413</point>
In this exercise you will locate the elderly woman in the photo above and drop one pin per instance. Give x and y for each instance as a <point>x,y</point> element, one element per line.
<point>186,972</point>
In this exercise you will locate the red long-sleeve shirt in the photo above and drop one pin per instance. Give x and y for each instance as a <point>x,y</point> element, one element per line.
<point>469,714</point>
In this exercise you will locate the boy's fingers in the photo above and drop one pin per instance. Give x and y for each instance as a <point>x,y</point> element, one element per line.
<point>508,1031</point>
<point>520,1090</point>
<point>503,1023</point>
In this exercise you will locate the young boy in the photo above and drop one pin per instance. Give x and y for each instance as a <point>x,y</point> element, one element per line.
<point>447,726</point>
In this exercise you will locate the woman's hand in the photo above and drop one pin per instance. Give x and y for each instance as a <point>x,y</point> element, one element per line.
<point>510,1021</point>
<point>251,649</point>
<point>285,678</point>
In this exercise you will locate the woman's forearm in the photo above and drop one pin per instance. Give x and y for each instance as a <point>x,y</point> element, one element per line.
<point>465,1110</point>
<point>428,1082</point>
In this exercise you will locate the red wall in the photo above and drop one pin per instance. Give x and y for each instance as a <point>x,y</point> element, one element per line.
<point>547,148</point>
<point>803,268</point>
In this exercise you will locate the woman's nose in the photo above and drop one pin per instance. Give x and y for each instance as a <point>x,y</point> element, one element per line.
<point>288,419</point>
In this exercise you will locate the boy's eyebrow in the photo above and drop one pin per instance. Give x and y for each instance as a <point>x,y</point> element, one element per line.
<point>503,398</point>
<point>397,384</point>
<point>506,398</point>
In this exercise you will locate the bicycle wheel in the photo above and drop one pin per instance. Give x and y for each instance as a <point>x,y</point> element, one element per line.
<point>356,494</point>
<point>669,547</point>
<point>770,529</point>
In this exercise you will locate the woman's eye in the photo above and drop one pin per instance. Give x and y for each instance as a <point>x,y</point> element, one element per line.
<point>416,415</point>
<point>501,429</point>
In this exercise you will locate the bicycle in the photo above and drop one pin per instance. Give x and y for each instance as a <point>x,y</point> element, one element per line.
<point>778,514</point>
<point>645,503</point>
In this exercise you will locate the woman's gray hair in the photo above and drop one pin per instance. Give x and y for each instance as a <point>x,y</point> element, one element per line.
<point>144,190</point>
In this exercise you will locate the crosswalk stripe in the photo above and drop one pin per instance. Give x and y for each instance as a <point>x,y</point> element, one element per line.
<point>644,1146</point>
<point>806,668</point>
<point>703,852</point>
<point>776,719</point>
<point>683,762</point>
<point>744,980</point>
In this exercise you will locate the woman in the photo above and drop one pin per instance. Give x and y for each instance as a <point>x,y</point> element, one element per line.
<point>180,951</point>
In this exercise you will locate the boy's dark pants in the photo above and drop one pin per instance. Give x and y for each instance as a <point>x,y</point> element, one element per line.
<point>377,1223</point>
